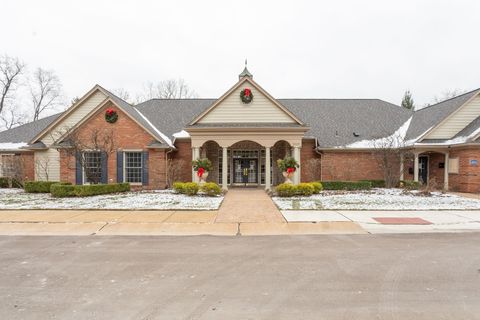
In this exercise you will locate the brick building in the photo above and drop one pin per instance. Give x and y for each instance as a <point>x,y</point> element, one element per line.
<point>244,133</point>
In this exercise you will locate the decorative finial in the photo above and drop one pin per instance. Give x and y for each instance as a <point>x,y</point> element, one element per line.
<point>245,72</point>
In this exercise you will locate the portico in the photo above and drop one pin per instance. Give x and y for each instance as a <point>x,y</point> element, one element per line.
<point>248,154</point>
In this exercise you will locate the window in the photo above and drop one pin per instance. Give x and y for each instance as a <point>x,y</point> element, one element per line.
<point>453,165</point>
<point>133,167</point>
<point>220,166</point>
<point>92,167</point>
<point>7,165</point>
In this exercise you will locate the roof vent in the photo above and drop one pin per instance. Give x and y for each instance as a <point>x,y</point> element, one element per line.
<point>355,134</point>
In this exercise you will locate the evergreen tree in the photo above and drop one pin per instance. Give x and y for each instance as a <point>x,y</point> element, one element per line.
<point>407,101</point>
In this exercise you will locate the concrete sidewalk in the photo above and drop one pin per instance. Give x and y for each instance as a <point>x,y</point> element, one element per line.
<point>394,221</point>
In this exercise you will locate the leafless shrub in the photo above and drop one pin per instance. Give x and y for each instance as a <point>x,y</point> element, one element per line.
<point>175,168</point>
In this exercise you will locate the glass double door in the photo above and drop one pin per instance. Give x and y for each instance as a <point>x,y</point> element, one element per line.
<point>246,171</point>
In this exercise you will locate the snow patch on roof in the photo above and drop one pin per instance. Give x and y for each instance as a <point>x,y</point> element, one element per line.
<point>181,134</point>
<point>163,136</point>
<point>395,140</point>
<point>12,146</point>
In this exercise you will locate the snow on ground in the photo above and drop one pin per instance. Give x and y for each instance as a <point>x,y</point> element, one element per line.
<point>161,199</point>
<point>377,199</point>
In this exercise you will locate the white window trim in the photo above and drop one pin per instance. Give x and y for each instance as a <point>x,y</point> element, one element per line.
<point>125,165</point>
<point>84,177</point>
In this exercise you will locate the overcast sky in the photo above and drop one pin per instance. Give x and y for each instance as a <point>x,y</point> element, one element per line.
<point>295,49</point>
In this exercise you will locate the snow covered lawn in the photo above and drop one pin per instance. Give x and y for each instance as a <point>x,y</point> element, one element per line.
<point>161,199</point>
<point>377,199</point>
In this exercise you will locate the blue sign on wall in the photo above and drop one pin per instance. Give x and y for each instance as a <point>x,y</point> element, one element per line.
<point>474,162</point>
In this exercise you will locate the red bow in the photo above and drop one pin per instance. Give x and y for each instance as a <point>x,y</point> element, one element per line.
<point>247,92</point>
<point>200,172</point>
<point>110,111</point>
<point>290,170</point>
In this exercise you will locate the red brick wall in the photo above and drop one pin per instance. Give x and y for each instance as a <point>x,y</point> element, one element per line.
<point>28,166</point>
<point>468,178</point>
<point>350,166</point>
<point>310,170</point>
<point>183,152</point>
<point>127,135</point>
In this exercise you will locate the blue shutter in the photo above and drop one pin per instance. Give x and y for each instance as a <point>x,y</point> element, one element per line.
<point>103,160</point>
<point>78,169</point>
<point>145,168</point>
<point>119,166</point>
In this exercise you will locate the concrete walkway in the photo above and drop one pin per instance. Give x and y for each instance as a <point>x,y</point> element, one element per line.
<point>248,205</point>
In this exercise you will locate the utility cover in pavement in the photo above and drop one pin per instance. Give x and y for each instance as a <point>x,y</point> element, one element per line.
<point>401,220</point>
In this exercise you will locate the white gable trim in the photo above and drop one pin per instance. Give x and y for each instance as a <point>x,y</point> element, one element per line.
<point>432,129</point>
<point>235,87</point>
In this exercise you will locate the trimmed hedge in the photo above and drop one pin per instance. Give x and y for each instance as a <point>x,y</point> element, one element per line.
<point>6,182</point>
<point>317,187</point>
<point>188,188</point>
<point>65,190</point>
<point>40,186</point>
<point>211,189</point>
<point>347,185</point>
<point>376,183</point>
<point>301,189</point>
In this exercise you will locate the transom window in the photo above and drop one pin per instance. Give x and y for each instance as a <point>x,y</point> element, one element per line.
<point>249,154</point>
<point>133,167</point>
<point>92,172</point>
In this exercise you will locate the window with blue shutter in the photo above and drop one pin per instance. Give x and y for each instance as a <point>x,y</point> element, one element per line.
<point>78,169</point>
<point>119,166</point>
<point>145,168</point>
<point>104,167</point>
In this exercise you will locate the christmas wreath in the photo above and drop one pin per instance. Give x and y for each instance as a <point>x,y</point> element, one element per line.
<point>111,115</point>
<point>246,95</point>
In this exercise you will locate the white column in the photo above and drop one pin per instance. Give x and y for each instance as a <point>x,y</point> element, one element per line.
<point>445,173</point>
<point>296,156</point>
<point>224,168</point>
<point>195,156</point>
<point>415,167</point>
<point>267,168</point>
<point>401,167</point>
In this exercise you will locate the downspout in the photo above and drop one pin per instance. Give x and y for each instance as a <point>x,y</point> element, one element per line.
<point>321,158</point>
<point>166,166</point>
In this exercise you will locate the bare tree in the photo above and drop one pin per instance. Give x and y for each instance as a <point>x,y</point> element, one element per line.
<point>389,152</point>
<point>175,168</point>
<point>101,142</point>
<point>12,118</point>
<point>45,91</point>
<point>10,71</point>
<point>313,169</point>
<point>41,167</point>
<point>122,94</point>
<point>448,94</point>
<point>167,89</point>
<point>12,166</point>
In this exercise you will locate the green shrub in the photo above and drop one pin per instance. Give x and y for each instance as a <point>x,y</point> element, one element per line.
<point>285,190</point>
<point>287,162</point>
<point>179,187</point>
<point>66,190</point>
<point>410,184</point>
<point>202,163</point>
<point>211,189</point>
<point>191,188</point>
<point>347,185</point>
<point>38,186</point>
<point>376,183</point>
<point>59,190</point>
<point>304,189</point>
<point>4,182</point>
<point>317,187</point>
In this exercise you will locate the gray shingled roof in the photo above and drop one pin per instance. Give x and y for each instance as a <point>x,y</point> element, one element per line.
<point>332,121</point>
<point>426,118</point>
<point>27,132</point>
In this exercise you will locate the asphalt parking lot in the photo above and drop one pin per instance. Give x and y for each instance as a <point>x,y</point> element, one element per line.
<point>409,276</point>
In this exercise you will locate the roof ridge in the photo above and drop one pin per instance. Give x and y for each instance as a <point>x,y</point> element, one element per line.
<point>436,104</point>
